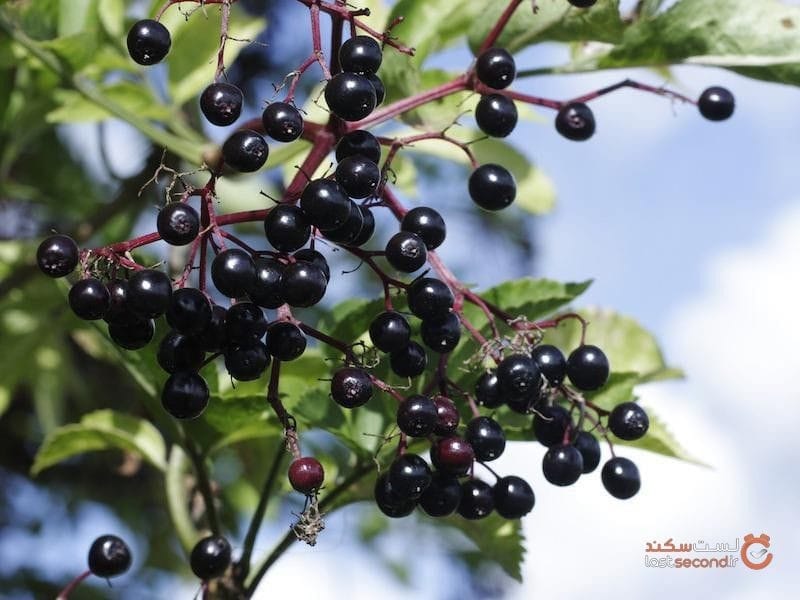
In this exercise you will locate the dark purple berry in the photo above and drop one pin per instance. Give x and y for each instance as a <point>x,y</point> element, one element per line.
<point>185,395</point>
<point>389,331</point>
<point>306,475</point>
<point>716,103</point>
<point>409,361</point>
<point>587,368</point>
<point>233,272</point>
<point>487,390</point>
<point>210,557</point>
<point>267,290</point>
<point>441,334</point>
<point>285,341</point>
<point>132,333</point>
<point>89,299</point>
<point>416,416</point>
<point>350,96</point>
<point>447,416</point>
<point>178,223</point>
<point>621,478</point>
<point>367,227</point>
<point>359,143</point>
<point>118,311</point>
<point>562,464</point>
<point>427,223</point>
<point>360,54</point>
<point>149,293</point>
<point>496,115</point>
<point>245,151</point>
<point>57,255</point>
<point>246,362</point>
<point>179,352</point>
<point>409,476</point>
<point>487,438</point>
<point>575,122</point>
<point>380,89</point>
<point>148,42</point>
<point>109,556</point>
<point>189,311</point>
<point>287,227</point>
<point>496,68</point>
<point>358,176</point>
<point>589,448</point>
<point>221,103</point>
<point>389,501</point>
<point>282,122</point>
<point>582,3</point>
<point>212,338</point>
<point>551,363</point>
<point>351,387</point>
<point>303,284</point>
<point>315,258</point>
<point>430,298</point>
<point>513,497</point>
<point>519,378</point>
<point>245,323</point>
<point>452,455</point>
<point>442,496</point>
<point>550,424</point>
<point>492,187</point>
<point>325,203</point>
<point>628,421</point>
<point>350,230</point>
<point>477,500</point>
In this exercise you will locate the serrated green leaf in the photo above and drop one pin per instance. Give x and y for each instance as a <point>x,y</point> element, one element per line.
<point>102,430</point>
<point>497,539</point>
<point>534,298</point>
<point>618,389</point>
<point>659,439</point>
<point>555,20</point>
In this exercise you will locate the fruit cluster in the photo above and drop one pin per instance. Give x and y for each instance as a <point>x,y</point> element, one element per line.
<point>531,378</point>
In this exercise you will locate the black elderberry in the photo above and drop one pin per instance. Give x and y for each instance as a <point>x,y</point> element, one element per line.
<point>210,557</point>
<point>109,556</point>
<point>246,362</point>
<point>587,368</point>
<point>282,122</point>
<point>442,496</point>
<point>589,448</point>
<point>185,395</point>
<point>513,497</point>
<point>325,203</point>
<point>406,252</point>
<point>550,424</point>
<point>315,258</point>
<point>148,42</point>
<point>716,103</point>
<point>149,293</point>
<point>409,475</point>
<point>267,289</point>
<point>221,103</point>
<point>487,390</point>
<point>477,500</point>
<point>575,122</point>
<point>358,176</point>
<point>359,143</point>
<point>389,331</point>
<point>452,455</point>
<point>389,501</point>
<point>496,115</point>
<point>189,311</point>
<point>285,341</point>
<point>179,352</point>
<point>349,231</point>
<point>287,227</point>
<point>233,272</point>
<point>429,298</point>
<point>367,227</point>
<point>360,54</point>
<point>178,223</point>
<point>621,478</point>
<point>350,96</point>
<point>441,334</point>
<point>562,464</point>
<point>427,223</point>
<point>212,338</point>
<point>486,437</point>
<point>351,387</point>
<point>89,299</point>
<point>245,323</point>
<point>551,362</point>
<point>496,68</point>
<point>492,187</point>
<point>409,361</point>
<point>132,333</point>
<point>303,284</point>
<point>417,416</point>
<point>57,255</point>
<point>628,421</point>
<point>245,151</point>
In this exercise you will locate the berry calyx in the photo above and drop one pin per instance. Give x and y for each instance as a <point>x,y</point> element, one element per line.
<point>282,122</point>
<point>350,96</point>
<point>148,42</point>
<point>245,151</point>
<point>359,143</point>
<point>406,252</point>
<point>185,395</point>
<point>477,500</point>
<point>389,331</point>
<point>496,68</point>
<point>427,223</point>
<point>562,465</point>
<point>513,497</point>
<point>492,187</point>
<point>306,475</point>
<point>109,556</point>
<point>351,387</point>
<point>575,122</point>
<point>178,223</point>
<point>417,416</point>
<point>221,103</point>
<point>588,368</point>
<point>716,103</point>
<point>360,54</point>
<point>621,478</point>
<point>628,421</point>
<point>496,115</point>
<point>486,437</point>
<point>210,557</point>
<point>57,255</point>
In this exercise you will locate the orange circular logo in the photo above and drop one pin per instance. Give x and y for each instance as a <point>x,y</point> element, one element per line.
<point>754,551</point>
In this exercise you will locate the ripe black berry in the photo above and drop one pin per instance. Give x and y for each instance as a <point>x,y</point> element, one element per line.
<point>303,284</point>
<point>583,3</point>
<point>246,362</point>
<point>358,176</point>
<point>133,333</point>
<point>519,378</point>
<point>416,416</point>
<point>210,557</point>
<point>409,476</point>
<point>492,187</point>
<point>233,272</point>
<point>621,478</point>
<point>178,223</point>
<point>109,556</point>
<point>389,331</point>
<point>487,390</point>
<point>628,421</point>
<point>306,475</point>
<point>359,143</point>
<point>587,368</point>
<point>189,311</point>
<point>380,89</point>
<point>267,289</point>
<point>389,501</point>
<point>148,42</point>
<point>409,361</point>
<point>716,103</point>
<point>118,310</point>
<point>442,496</point>
<point>486,437</point>
<point>245,151</point>
<point>351,387</point>
<point>441,334</point>
<point>550,424</point>
<point>447,416</point>
<point>551,363</point>
<point>89,298</point>
<point>179,352</point>
<point>57,255</point>
<point>325,203</point>
<point>185,395</point>
<point>221,103</point>
<point>212,338</point>
<point>149,293</point>
<point>452,455</point>
<point>477,500</point>
<point>562,464</point>
<point>315,258</point>
<point>429,298</point>
<point>282,122</point>
<point>589,448</point>
<point>406,252</point>
<point>285,341</point>
<point>427,223</point>
<point>349,231</point>
<point>367,227</point>
<point>575,122</point>
<point>350,96</point>
<point>513,497</point>
<point>360,54</point>
<point>287,227</point>
<point>496,68</point>
<point>496,115</point>
<point>245,323</point>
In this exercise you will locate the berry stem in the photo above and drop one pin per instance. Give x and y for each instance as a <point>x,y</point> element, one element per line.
<point>64,594</point>
<point>223,38</point>
<point>242,567</point>
<point>499,26</point>
<point>660,91</point>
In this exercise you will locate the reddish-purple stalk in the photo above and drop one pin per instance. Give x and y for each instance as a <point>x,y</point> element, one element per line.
<point>64,594</point>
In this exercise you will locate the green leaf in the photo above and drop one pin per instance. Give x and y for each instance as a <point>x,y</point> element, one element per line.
<point>618,389</point>
<point>75,16</point>
<point>112,16</point>
<point>758,39</point>
<point>555,20</point>
<point>77,50</point>
<point>177,491</point>
<point>534,298</point>
<point>497,540</point>
<point>102,430</point>
<point>75,107</point>
<point>5,400</point>
<point>192,57</point>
